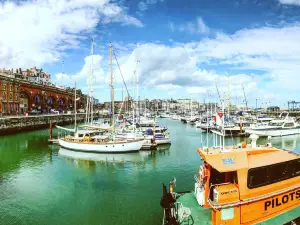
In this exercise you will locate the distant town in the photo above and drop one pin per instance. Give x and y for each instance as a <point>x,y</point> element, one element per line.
<point>31,91</point>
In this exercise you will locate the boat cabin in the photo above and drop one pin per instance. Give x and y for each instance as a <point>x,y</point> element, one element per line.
<point>88,136</point>
<point>242,187</point>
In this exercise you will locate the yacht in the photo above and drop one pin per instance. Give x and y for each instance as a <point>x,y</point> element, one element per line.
<point>277,127</point>
<point>160,137</point>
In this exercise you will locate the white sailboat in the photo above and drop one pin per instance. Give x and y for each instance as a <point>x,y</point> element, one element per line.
<point>91,141</point>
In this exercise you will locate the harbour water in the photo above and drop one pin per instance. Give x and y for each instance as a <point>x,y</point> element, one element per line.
<point>43,184</point>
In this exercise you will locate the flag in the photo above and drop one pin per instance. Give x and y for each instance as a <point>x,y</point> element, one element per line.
<point>219,121</point>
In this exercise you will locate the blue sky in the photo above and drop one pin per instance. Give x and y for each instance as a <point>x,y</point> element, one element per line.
<point>184,47</point>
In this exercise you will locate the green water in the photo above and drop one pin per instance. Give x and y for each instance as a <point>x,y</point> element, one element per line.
<point>41,184</point>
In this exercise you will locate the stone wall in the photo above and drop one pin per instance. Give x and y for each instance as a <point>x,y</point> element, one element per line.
<point>11,125</point>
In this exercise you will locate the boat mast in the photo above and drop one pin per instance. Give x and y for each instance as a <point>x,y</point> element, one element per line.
<point>75,111</point>
<point>137,92</point>
<point>91,96</point>
<point>245,97</point>
<point>112,92</point>
<point>228,94</point>
<point>223,128</point>
<point>133,100</point>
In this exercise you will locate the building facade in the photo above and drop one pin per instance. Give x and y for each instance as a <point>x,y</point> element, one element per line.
<point>20,94</point>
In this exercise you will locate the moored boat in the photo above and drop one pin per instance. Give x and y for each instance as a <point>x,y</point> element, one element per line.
<point>237,185</point>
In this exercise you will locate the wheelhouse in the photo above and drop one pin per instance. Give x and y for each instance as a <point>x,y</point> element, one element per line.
<point>239,184</point>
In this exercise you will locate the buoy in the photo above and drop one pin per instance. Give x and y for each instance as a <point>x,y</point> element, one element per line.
<point>244,145</point>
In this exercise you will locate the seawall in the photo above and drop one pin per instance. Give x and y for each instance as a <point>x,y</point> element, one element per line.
<point>9,125</point>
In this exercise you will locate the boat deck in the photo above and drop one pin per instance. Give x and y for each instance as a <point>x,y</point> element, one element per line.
<point>200,215</point>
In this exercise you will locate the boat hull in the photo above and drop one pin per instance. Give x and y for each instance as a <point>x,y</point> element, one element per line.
<point>131,146</point>
<point>274,132</point>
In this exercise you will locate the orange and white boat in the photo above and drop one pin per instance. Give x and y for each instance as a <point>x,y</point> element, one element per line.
<point>245,184</point>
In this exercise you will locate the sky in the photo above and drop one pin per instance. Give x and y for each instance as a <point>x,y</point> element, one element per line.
<point>176,49</point>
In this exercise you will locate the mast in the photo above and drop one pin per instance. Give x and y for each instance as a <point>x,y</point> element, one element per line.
<point>137,92</point>
<point>112,91</point>
<point>245,97</point>
<point>228,94</point>
<point>223,124</point>
<point>92,99</point>
<point>75,113</point>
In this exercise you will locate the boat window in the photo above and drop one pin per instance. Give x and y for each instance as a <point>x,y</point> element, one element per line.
<point>275,123</point>
<point>216,177</point>
<point>258,177</point>
<point>294,168</point>
<point>278,172</point>
<point>80,135</point>
<point>261,176</point>
<point>289,125</point>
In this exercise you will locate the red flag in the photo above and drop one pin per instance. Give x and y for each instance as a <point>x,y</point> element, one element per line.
<point>220,114</point>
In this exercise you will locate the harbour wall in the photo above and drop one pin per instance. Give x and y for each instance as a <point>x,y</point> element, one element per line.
<point>10,125</point>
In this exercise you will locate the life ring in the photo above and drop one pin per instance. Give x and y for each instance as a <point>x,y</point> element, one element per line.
<point>202,174</point>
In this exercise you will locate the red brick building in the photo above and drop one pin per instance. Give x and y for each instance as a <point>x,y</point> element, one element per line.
<point>19,95</point>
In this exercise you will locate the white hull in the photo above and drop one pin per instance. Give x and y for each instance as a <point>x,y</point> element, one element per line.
<point>275,132</point>
<point>159,141</point>
<point>132,146</point>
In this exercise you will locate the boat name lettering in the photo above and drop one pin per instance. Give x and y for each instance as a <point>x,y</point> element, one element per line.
<point>275,202</point>
<point>228,192</point>
<point>228,161</point>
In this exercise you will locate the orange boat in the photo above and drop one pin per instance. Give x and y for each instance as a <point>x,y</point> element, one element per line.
<point>245,184</point>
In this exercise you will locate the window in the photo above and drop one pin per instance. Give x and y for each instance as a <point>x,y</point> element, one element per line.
<point>16,97</point>
<point>10,87</point>
<point>278,172</point>
<point>4,95</point>
<point>275,124</point>
<point>10,96</point>
<point>258,177</point>
<point>261,176</point>
<point>294,168</point>
<point>289,125</point>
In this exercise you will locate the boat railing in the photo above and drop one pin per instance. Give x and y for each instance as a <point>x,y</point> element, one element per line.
<point>249,200</point>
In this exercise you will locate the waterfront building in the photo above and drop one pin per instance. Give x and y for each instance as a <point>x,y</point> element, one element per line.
<point>22,91</point>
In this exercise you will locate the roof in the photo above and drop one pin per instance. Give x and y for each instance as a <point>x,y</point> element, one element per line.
<point>234,158</point>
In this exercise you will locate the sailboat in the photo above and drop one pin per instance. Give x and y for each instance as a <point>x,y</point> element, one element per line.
<point>96,140</point>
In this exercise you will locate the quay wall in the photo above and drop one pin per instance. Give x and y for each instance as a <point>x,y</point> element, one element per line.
<point>10,125</point>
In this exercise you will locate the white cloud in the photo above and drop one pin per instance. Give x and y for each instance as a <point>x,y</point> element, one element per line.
<point>194,27</point>
<point>62,78</point>
<point>201,26</point>
<point>144,5</point>
<point>98,79</point>
<point>290,2</point>
<point>196,90</point>
<point>37,32</point>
